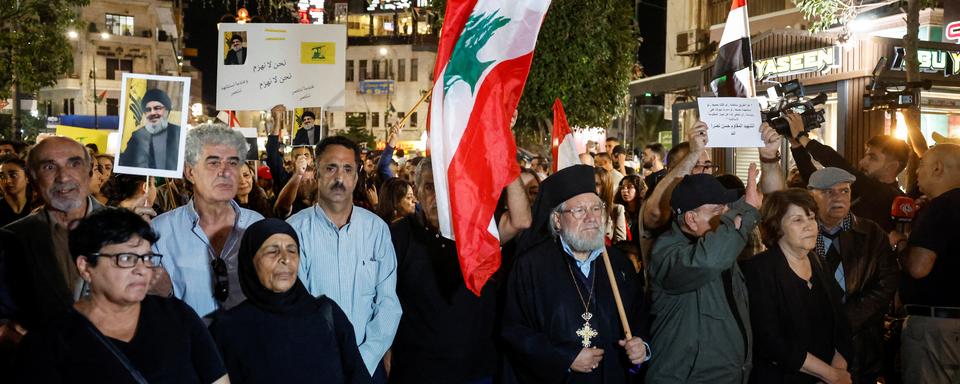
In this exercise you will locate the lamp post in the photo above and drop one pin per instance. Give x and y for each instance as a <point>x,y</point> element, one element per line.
<point>93,58</point>
<point>383,52</point>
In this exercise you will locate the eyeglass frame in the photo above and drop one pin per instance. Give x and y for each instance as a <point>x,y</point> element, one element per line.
<point>140,258</point>
<point>221,283</point>
<point>580,213</point>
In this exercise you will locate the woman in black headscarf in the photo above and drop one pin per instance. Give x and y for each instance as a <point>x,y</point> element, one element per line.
<point>281,333</point>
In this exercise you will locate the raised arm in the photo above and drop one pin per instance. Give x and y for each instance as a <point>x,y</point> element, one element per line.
<point>771,176</point>
<point>656,210</point>
<point>517,217</point>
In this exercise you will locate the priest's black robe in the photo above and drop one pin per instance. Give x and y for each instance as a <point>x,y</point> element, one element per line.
<point>543,313</point>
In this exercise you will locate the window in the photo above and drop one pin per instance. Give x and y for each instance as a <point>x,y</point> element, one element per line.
<point>363,70</point>
<point>413,120</point>
<point>120,25</point>
<point>401,69</point>
<point>66,107</point>
<point>374,119</point>
<point>414,67</point>
<point>117,66</point>
<point>375,72</point>
<point>349,70</point>
<point>358,25</point>
<point>113,107</point>
<point>356,119</point>
<point>72,110</point>
<point>384,25</point>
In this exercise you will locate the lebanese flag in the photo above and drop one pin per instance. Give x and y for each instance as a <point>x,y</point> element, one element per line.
<point>564,147</point>
<point>483,59</point>
<point>733,70</point>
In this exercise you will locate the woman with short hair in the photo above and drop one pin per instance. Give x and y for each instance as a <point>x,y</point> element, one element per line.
<point>16,201</point>
<point>396,200</point>
<point>249,194</point>
<point>280,333</point>
<point>799,328</point>
<point>116,333</point>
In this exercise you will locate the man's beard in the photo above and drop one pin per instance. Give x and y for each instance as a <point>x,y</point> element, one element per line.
<point>156,128</point>
<point>65,204</point>
<point>582,243</point>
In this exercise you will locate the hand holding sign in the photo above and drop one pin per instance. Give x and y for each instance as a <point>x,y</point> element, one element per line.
<point>734,121</point>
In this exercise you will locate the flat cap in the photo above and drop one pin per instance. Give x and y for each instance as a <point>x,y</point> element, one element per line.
<point>828,177</point>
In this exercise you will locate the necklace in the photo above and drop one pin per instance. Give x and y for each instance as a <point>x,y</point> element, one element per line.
<point>586,332</point>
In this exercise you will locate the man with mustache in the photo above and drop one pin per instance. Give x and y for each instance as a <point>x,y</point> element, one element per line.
<point>346,252</point>
<point>560,322</point>
<point>34,253</point>
<point>156,145</point>
<point>200,240</point>
<point>856,252</point>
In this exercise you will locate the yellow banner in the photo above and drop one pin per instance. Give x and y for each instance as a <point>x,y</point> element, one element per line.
<point>85,135</point>
<point>135,90</point>
<point>318,53</point>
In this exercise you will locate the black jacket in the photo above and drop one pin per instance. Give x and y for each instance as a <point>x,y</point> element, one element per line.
<point>232,58</point>
<point>137,153</point>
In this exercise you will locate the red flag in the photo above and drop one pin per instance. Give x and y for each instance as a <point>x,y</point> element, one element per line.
<point>564,147</point>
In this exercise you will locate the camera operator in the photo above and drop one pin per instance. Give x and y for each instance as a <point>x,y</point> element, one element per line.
<point>876,186</point>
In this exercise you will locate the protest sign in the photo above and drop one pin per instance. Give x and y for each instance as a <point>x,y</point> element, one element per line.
<point>153,125</point>
<point>733,122</point>
<point>297,65</point>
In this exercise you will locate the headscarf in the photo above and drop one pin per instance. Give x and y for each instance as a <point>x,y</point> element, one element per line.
<point>554,190</point>
<point>294,300</point>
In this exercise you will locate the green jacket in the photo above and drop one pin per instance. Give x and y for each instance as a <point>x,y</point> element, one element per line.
<point>696,337</point>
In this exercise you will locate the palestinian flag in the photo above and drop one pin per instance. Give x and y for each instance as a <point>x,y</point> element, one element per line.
<point>483,59</point>
<point>733,70</point>
<point>564,147</point>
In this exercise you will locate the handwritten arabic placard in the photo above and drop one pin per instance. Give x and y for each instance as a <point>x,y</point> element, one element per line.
<point>297,65</point>
<point>734,122</point>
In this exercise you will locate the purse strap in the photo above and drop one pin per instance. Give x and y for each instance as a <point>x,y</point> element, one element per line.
<point>127,364</point>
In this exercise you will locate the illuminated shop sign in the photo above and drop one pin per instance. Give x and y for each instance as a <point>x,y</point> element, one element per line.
<point>931,61</point>
<point>310,11</point>
<point>388,5</point>
<point>817,60</point>
<point>952,31</point>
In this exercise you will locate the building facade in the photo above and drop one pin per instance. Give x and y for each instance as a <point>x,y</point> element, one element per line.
<point>118,36</point>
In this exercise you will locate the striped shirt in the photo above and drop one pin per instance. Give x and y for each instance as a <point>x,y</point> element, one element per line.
<point>355,266</point>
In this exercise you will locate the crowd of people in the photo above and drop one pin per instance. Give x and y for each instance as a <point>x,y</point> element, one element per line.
<point>324,263</point>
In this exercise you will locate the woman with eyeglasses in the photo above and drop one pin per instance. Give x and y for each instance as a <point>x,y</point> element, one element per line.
<point>281,333</point>
<point>116,333</point>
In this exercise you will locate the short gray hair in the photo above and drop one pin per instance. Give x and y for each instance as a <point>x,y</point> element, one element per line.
<point>213,134</point>
<point>424,165</point>
<point>558,210</point>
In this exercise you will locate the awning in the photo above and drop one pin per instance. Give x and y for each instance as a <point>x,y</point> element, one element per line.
<point>659,84</point>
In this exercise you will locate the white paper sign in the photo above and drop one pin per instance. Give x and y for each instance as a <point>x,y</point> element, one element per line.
<point>297,65</point>
<point>734,122</point>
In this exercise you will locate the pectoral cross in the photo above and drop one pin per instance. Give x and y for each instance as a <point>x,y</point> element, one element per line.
<point>586,332</point>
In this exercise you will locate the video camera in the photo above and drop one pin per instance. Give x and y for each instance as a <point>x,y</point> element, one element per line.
<point>791,99</point>
<point>878,97</point>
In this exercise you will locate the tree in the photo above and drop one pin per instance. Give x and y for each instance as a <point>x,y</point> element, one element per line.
<point>360,136</point>
<point>827,13</point>
<point>34,48</point>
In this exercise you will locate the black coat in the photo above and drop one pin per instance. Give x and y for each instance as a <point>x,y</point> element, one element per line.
<point>232,58</point>
<point>137,153</point>
<point>781,331</point>
<point>543,312</point>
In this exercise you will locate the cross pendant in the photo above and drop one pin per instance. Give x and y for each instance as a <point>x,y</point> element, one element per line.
<point>586,333</point>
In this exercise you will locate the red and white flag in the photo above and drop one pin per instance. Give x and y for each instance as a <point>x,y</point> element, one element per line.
<point>483,59</point>
<point>733,70</point>
<point>564,147</point>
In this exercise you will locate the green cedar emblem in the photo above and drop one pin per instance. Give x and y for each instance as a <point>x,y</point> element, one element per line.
<point>464,64</point>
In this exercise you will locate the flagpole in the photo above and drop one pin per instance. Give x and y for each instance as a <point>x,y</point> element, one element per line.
<point>616,296</point>
<point>406,116</point>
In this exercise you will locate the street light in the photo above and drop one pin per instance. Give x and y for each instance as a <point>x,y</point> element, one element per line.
<point>72,34</point>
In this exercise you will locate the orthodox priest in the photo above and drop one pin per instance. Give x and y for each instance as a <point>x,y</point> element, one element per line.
<point>560,319</point>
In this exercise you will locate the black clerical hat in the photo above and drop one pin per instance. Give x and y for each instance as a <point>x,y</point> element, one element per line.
<point>554,190</point>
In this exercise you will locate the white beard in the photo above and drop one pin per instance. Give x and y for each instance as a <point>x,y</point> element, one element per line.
<point>579,243</point>
<point>156,128</point>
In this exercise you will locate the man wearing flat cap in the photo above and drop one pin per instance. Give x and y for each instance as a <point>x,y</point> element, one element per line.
<point>856,252</point>
<point>561,323</point>
<point>700,315</point>
<point>156,145</point>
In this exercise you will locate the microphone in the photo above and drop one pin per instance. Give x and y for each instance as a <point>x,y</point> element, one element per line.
<point>903,211</point>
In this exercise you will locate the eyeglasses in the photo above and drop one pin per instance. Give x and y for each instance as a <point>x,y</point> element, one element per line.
<point>221,288</point>
<point>581,212</point>
<point>704,168</point>
<point>129,260</point>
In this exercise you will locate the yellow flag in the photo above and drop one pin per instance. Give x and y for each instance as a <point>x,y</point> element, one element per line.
<point>318,52</point>
<point>136,88</point>
<point>86,136</point>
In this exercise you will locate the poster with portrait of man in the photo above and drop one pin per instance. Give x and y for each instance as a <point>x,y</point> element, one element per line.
<point>153,120</point>
<point>235,48</point>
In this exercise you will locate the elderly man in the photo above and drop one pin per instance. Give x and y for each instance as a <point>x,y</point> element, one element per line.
<point>201,239</point>
<point>237,55</point>
<point>701,323</point>
<point>561,323</point>
<point>40,274</point>
<point>931,289</point>
<point>157,144</point>
<point>446,334</point>
<point>346,252</point>
<point>856,252</point>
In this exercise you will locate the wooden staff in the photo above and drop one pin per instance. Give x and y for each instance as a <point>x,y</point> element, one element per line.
<point>616,295</point>
<point>415,106</point>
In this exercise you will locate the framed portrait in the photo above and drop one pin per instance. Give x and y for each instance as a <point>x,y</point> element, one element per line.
<point>153,125</point>
<point>235,48</point>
